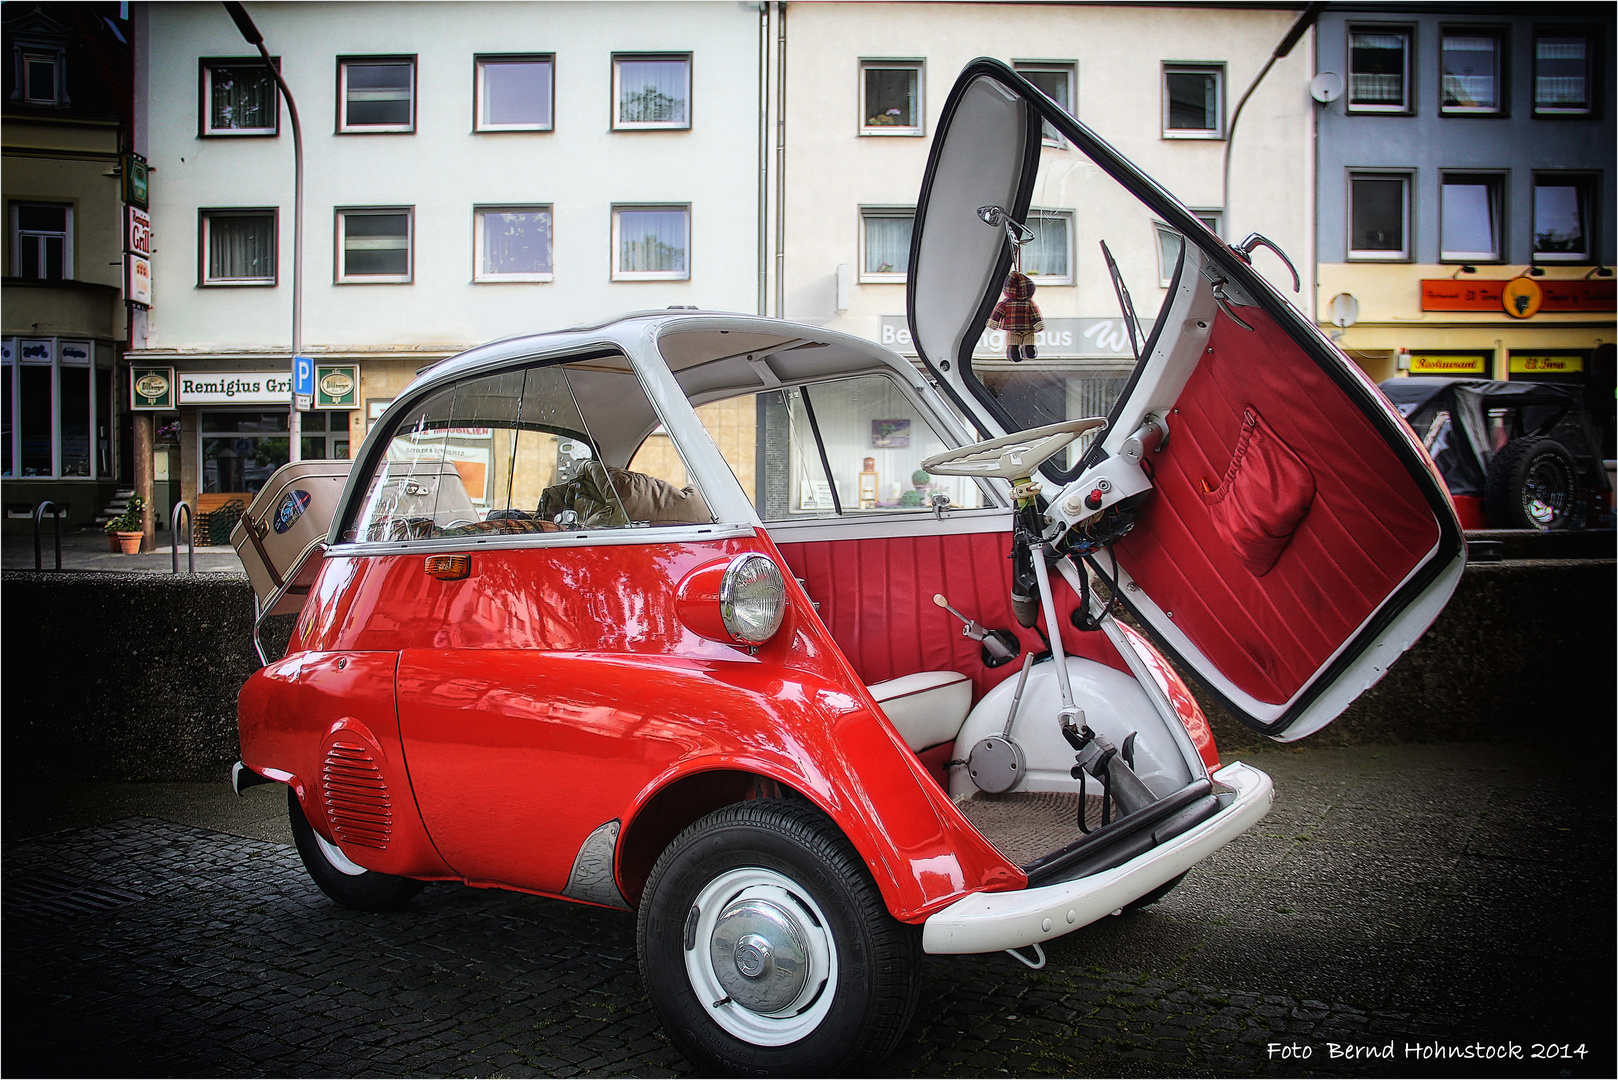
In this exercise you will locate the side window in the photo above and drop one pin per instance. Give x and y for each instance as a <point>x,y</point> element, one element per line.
<point>513,454</point>
<point>831,449</point>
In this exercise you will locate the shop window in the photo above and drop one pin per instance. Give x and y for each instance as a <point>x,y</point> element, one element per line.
<point>651,91</point>
<point>1564,212</point>
<point>57,401</point>
<point>513,93</point>
<point>374,245</point>
<point>1056,81</point>
<point>866,431</point>
<point>1470,218</point>
<point>1379,217</point>
<point>1048,258</point>
<point>241,448</point>
<point>651,243</point>
<point>885,242</point>
<point>890,97</point>
<point>1193,101</point>
<point>376,94</point>
<point>1379,69</point>
<point>1169,243</point>
<point>238,247</point>
<point>239,97</point>
<point>512,243</point>
<point>42,241</point>
<point>1472,67</point>
<point>1564,73</point>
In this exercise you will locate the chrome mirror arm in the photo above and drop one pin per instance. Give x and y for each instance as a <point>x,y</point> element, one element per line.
<point>1256,240</point>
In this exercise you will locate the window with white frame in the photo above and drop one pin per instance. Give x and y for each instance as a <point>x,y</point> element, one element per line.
<point>1170,241</point>
<point>42,241</point>
<point>1056,80</point>
<point>1048,257</point>
<point>43,75</point>
<point>1563,73</point>
<point>514,93</point>
<point>376,94</point>
<point>651,243</point>
<point>1193,101</point>
<point>512,243</point>
<point>885,242</point>
<point>890,97</point>
<point>56,409</point>
<point>374,245</point>
<point>238,246</point>
<point>1469,218</point>
<point>1379,69</point>
<point>1472,64</point>
<point>1379,216</point>
<point>651,91</point>
<point>1564,212</point>
<point>239,97</point>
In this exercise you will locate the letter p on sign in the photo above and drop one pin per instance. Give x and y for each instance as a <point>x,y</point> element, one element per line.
<point>303,382</point>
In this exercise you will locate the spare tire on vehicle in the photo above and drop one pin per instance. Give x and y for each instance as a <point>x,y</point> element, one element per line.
<point>1532,484</point>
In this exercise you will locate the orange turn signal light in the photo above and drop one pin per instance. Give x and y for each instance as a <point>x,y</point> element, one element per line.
<point>449,567</point>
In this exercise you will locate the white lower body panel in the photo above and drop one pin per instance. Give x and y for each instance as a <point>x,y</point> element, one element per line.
<point>991,921</point>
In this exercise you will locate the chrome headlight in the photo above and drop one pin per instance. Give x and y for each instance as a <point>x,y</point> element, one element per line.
<point>752,598</point>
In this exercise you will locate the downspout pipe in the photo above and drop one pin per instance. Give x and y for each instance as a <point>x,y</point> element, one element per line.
<point>763,157</point>
<point>1305,20</point>
<point>780,159</point>
<point>249,32</point>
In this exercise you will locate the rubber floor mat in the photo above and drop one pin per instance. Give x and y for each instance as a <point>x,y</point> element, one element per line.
<point>1023,825</point>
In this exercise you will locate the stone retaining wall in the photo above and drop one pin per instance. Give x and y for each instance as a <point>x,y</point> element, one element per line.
<point>135,676</point>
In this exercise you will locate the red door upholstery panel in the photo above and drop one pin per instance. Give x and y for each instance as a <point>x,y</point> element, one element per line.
<point>1367,527</point>
<point>876,598</point>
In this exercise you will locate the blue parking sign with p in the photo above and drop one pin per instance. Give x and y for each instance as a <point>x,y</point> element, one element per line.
<point>303,376</point>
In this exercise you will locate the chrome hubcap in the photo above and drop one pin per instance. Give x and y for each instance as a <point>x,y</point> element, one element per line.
<point>759,955</point>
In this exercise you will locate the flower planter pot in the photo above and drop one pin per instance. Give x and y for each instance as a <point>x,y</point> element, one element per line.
<point>129,542</point>
<point>112,543</point>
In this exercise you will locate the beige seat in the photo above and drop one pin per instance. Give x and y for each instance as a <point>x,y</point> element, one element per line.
<point>927,708</point>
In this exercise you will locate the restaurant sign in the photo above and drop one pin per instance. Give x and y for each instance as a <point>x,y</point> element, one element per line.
<point>1448,364</point>
<point>1520,297</point>
<point>235,388</point>
<point>337,386</point>
<point>1545,363</point>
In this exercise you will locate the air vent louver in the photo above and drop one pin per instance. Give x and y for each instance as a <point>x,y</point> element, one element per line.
<point>356,795</point>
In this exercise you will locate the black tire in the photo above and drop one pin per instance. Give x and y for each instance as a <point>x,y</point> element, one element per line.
<point>1532,484</point>
<point>766,870</point>
<point>366,891</point>
<point>1155,895</point>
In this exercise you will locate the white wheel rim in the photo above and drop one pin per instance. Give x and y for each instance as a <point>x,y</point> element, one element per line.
<point>796,929</point>
<point>339,862</point>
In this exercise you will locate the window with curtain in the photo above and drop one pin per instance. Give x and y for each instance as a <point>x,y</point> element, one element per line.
<point>374,245</point>
<point>651,242</point>
<point>651,91</point>
<point>1471,70</point>
<point>239,98</point>
<point>238,247</point>
<point>1378,69</point>
<point>1469,218</point>
<point>1048,257</point>
<point>890,97</point>
<point>377,94</point>
<point>513,243</point>
<point>514,93</point>
<point>1193,101</point>
<point>886,242</point>
<point>1562,74</point>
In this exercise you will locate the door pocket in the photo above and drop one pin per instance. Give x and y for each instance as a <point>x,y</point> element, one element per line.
<point>1262,498</point>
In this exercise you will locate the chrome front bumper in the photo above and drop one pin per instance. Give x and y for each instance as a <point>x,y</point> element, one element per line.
<point>991,921</point>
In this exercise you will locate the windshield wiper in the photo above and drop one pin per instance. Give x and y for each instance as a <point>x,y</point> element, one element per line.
<point>1137,336</point>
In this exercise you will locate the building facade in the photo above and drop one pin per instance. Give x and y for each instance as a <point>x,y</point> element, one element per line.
<point>472,171</point>
<point>1466,189</point>
<point>65,136</point>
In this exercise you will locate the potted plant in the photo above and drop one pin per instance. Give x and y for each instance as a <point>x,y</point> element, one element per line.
<point>126,530</point>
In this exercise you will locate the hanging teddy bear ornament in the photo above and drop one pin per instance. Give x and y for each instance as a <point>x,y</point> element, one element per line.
<point>1018,315</point>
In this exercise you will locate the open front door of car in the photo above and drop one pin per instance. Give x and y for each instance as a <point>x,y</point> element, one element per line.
<point>1254,501</point>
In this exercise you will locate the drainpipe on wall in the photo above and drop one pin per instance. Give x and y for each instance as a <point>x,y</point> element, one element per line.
<point>780,159</point>
<point>763,156</point>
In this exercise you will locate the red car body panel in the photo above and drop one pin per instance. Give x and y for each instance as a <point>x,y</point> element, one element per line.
<point>556,688</point>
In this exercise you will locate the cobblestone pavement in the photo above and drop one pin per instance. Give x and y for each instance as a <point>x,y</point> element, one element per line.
<point>1427,897</point>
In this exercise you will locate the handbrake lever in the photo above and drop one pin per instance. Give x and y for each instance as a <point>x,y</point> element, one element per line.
<point>999,646</point>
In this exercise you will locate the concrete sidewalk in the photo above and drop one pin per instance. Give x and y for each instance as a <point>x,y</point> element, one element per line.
<point>87,549</point>
<point>1428,898</point>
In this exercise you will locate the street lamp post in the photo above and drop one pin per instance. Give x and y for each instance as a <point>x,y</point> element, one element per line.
<point>244,23</point>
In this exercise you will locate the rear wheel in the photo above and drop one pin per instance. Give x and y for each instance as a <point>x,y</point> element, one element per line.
<point>338,876</point>
<point>1532,484</point>
<point>767,950</point>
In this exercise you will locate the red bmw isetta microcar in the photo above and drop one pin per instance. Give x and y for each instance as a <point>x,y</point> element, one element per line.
<point>810,655</point>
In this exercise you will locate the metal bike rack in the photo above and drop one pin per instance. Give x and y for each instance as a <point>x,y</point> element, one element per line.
<point>56,520</point>
<point>180,509</point>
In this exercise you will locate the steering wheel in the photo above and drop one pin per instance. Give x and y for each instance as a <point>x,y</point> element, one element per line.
<point>1011,457</point>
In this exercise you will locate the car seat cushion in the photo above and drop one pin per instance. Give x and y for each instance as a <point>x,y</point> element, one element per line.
<point>927,707</point>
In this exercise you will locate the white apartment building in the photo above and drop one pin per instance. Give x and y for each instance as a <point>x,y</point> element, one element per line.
<point>473,170</point>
